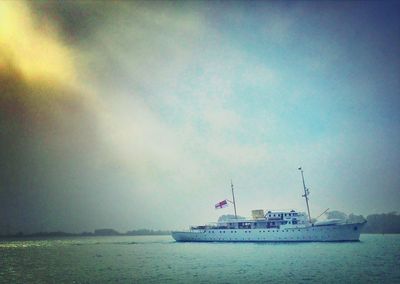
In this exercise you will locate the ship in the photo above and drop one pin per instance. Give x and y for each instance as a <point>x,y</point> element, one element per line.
<point>273,226</point>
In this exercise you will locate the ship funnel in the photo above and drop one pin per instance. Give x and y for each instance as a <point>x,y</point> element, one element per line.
<point>257,214</point>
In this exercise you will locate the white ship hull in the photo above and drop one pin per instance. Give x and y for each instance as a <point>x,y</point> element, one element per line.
<point>330,233</point>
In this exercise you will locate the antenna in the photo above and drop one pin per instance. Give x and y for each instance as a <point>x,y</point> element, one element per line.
<point>234,203</point>
<point>322,213</point>
<point>306,193</point>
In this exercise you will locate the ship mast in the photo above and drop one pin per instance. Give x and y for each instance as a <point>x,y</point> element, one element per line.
<point>306,193</point>
<point>233,197</point>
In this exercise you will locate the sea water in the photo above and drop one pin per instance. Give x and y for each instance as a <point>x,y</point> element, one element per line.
<point>159,259</point>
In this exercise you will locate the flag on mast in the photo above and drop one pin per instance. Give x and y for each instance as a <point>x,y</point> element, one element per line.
<point>221,204</point>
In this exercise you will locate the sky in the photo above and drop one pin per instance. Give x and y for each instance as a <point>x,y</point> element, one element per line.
<point>131,115</point>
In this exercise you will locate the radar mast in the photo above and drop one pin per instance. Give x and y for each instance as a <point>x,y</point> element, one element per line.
<point>233,197</point>
<point>306,193</point>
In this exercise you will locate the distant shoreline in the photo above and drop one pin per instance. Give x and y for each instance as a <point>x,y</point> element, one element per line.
<point>96,233</point>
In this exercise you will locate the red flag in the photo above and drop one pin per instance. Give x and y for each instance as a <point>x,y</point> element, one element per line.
<point>221,204</point>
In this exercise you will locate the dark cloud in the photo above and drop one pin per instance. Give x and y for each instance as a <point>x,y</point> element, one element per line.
<point>49,144</point>
<point>75,19</point>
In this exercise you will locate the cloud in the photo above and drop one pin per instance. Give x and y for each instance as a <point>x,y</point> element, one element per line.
<point>175,81</point>
<point>49,125</point>
<point>168,86</point>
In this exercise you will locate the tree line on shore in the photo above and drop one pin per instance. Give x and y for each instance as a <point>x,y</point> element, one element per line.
<point>97,232</point>
<point>385,223</point>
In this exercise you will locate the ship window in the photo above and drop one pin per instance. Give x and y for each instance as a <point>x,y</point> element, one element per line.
<point>355,228</point>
